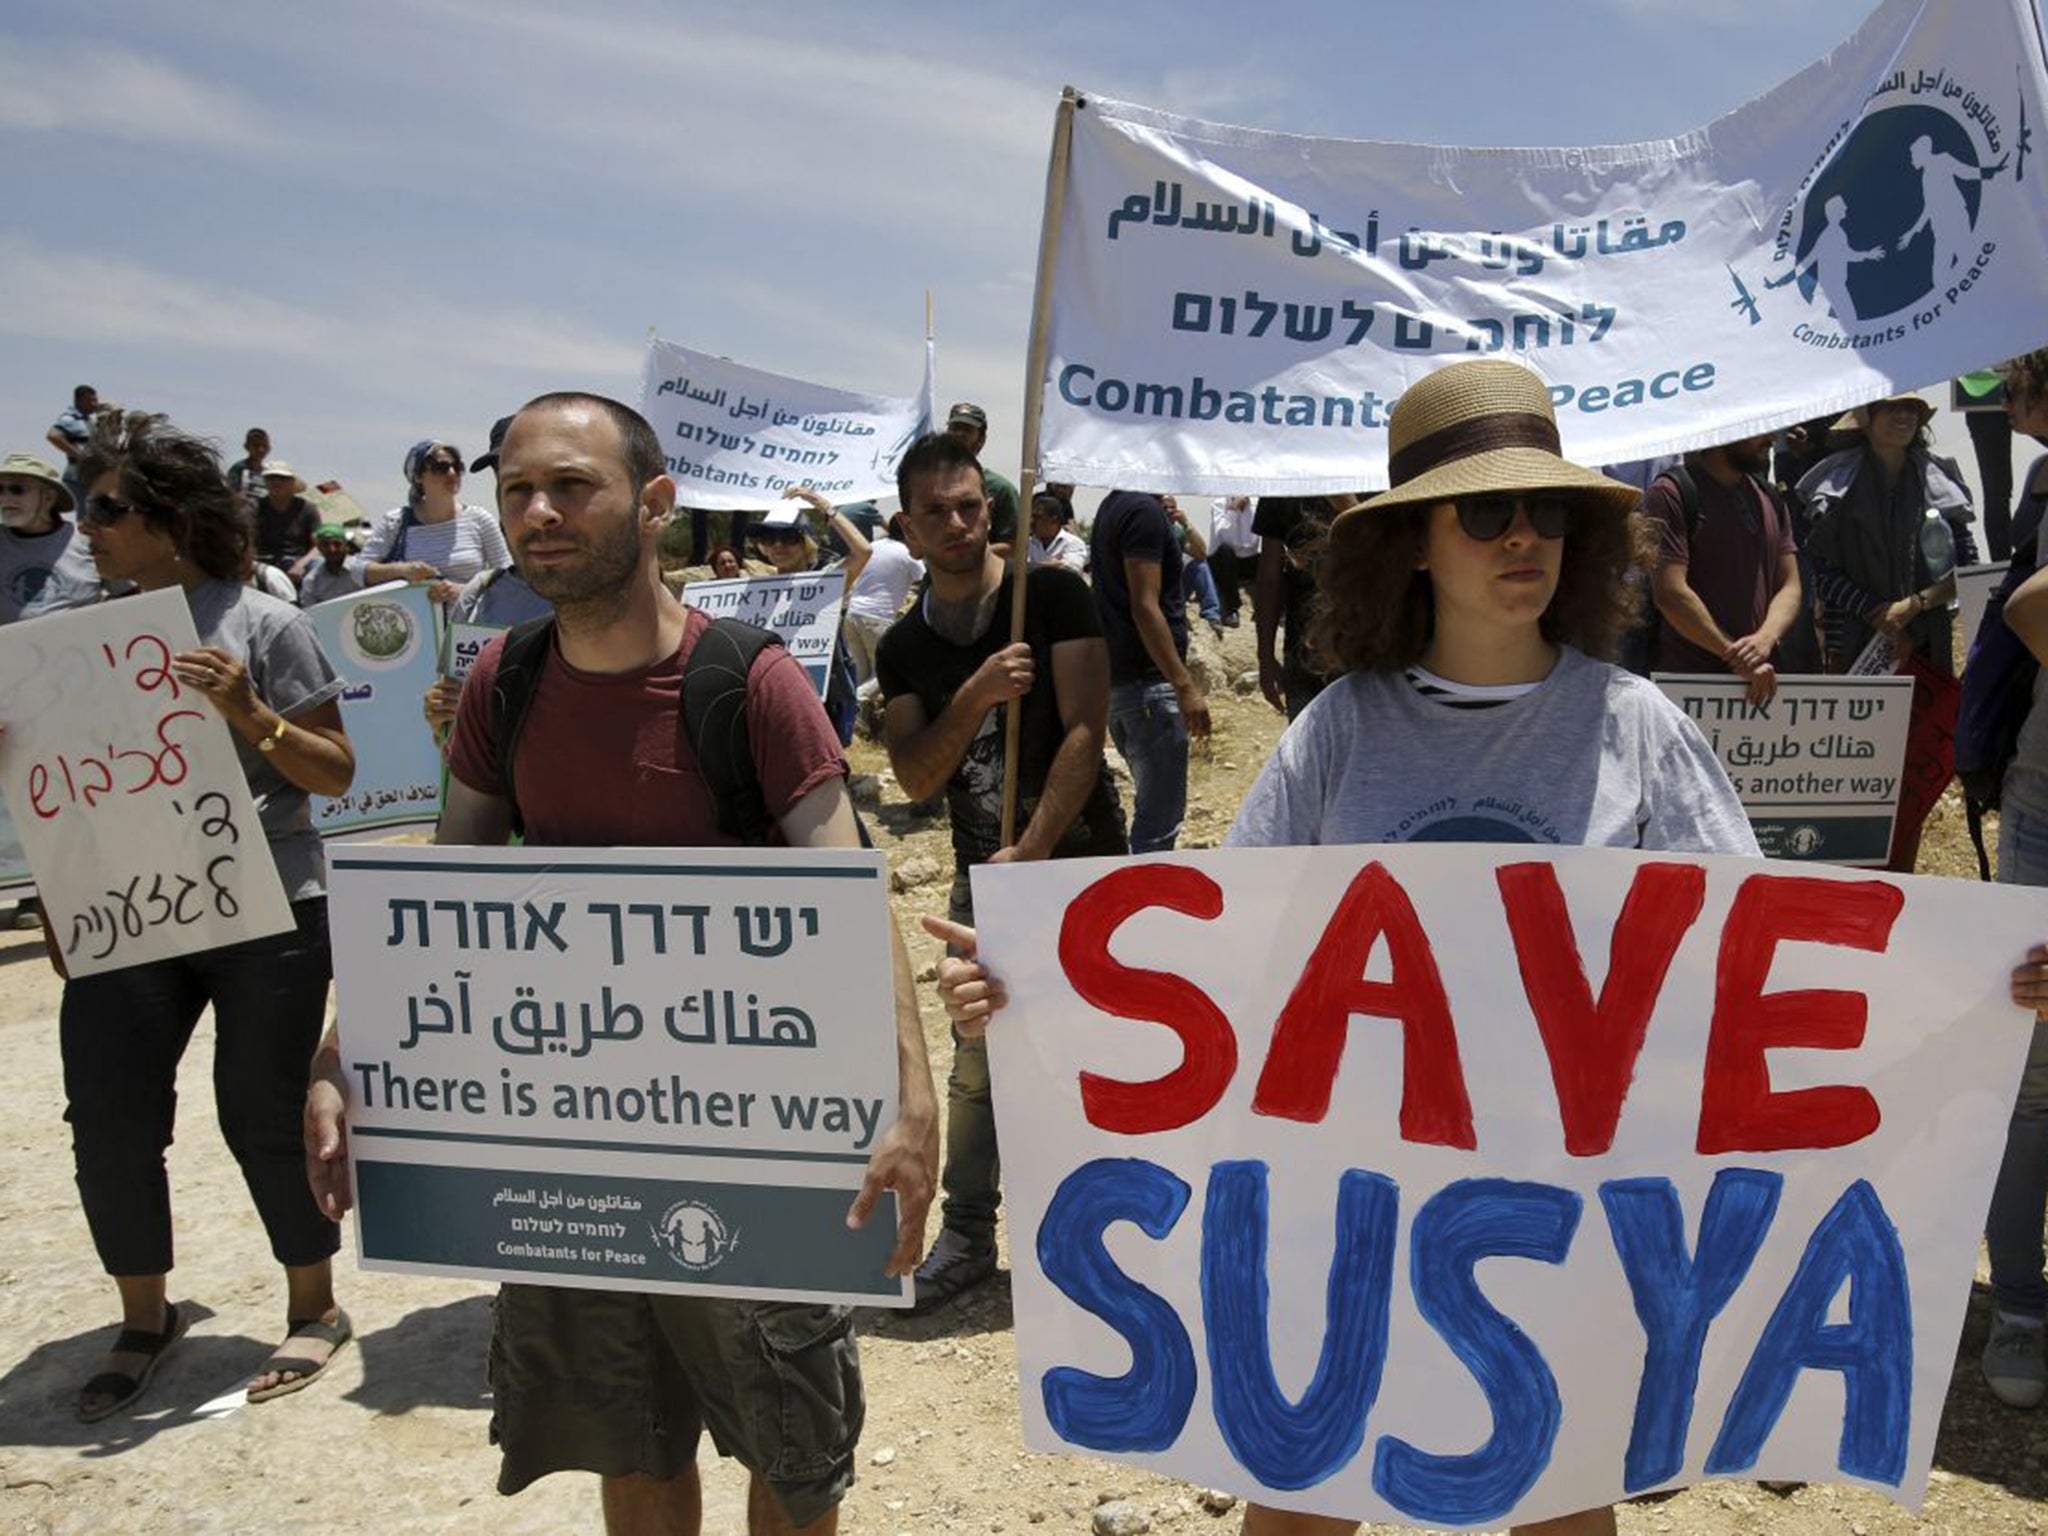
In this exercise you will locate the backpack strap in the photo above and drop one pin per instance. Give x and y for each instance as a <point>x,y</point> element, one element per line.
<point>520,664</point>
<point>713,723</point>
<point>1688,498</point>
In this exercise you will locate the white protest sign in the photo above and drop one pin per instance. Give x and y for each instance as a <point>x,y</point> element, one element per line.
<point>1818,767</point>
<point>14,871</point>
<point>644,1069</point>
<point>1974,586</point>
<point>1332,1185</point>
<point>738,437</point>
<point>801,610</point>
<point>1234,310</point>
<point>126,790</point>
<point>384,644</point>
<point>463,644</point>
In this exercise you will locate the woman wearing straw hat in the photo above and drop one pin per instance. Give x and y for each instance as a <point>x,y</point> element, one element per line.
<point>1465,609</point>
<point>434,536</point>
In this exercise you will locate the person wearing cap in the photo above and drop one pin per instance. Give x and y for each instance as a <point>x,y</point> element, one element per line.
<point>1467,612</point>
<point>434,536</point>
<point>969,422</point>
<point>44,566</point>
<point>332,574</point>
<point>1888,523</point>
<point>285,521</point>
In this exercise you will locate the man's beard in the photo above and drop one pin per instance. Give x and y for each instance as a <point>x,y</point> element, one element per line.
<point>601,576</point>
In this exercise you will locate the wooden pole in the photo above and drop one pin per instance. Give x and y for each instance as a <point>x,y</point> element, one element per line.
<point>1034,400</point>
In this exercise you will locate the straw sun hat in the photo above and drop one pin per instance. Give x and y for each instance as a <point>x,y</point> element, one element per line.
<point>1478,428</point>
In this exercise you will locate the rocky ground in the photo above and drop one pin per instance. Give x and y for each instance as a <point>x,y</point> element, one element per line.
<point>393,1440</point>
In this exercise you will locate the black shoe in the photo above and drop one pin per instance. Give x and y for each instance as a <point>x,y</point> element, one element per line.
<point>955,1264</point>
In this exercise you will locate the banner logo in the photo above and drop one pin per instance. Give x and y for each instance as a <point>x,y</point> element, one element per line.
<point>695,1236</point>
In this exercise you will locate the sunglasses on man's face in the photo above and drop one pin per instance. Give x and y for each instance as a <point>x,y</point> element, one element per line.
<point>1486,518</point>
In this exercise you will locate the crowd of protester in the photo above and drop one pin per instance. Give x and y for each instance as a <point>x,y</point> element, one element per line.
<point>1460,628</point>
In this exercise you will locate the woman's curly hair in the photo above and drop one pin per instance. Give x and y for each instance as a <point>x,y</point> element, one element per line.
<point>174,482</point>
<point>1374,608</point>
<point>2026,377</point>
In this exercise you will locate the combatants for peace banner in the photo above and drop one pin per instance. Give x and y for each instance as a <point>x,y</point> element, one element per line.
<point>1465,1185</point>
<point>737,437</point>
<point>1233,310</point>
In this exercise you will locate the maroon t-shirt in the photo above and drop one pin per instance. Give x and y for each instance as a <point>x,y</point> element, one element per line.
<point>598,759</point>
<point>1731,559</point>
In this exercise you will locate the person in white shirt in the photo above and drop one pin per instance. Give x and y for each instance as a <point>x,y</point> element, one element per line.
<point>877,597</point>
<point>1052,541</point>
<point>1233,552</point>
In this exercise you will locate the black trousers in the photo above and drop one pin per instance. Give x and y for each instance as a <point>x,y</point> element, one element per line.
<point>122,1034</point>
<point>1991,436</point>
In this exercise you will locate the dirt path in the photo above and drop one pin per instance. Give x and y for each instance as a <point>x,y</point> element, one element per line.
<point>393,1441</point>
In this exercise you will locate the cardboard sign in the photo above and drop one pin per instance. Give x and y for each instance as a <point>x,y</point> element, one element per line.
<point>1818,768</point>
<point>645,1069</point>
<point>384,644</point>
<point>126,792</point>
<point>802,610</point>
<point>1466,1185</point>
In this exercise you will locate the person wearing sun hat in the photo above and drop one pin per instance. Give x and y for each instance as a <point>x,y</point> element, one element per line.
<point>1466,614</point>
<point>284,520</point>
<point>44,566</point>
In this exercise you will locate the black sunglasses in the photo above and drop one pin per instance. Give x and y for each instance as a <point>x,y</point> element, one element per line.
<point>104,510</point>
<point>777,536</point>
<point>443,467</point>
<point>16,487</point>
<point>1487,518</point>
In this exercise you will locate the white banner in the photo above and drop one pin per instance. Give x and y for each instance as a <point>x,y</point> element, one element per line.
<point>1818,768</point>
<point>1236,311</point>
<point>384,643</point>
<point>736,437</point>
<point>126,791</point>
<point>559,1072</point>
<point>461,644</point>
<point>801,610</point>
<point>1459,1185</point>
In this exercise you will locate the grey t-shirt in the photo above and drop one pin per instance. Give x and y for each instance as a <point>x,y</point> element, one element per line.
<point>45,572</point>
<point>292,675</point>
<point>1590,757</point>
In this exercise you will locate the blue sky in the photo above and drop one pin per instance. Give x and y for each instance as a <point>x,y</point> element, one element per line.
<point>366,223</point>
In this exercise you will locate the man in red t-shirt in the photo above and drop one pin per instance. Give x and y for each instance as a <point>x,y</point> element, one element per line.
<point>622,1383</point>
<point>1727,587</point>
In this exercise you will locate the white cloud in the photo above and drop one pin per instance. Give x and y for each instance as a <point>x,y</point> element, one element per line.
<point>90,88</point>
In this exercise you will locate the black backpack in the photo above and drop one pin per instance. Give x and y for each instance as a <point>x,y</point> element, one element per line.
<point>1799,652</point>
<point>712,720</point>
<point>1998,692</point>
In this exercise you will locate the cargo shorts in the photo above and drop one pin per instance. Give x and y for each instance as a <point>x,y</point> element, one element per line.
<point>619,1382</point>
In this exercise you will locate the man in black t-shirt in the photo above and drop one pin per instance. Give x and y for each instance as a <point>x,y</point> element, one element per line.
<point>944,668</point>
<point>1155,704</point>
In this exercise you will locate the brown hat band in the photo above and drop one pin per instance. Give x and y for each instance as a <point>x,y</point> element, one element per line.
<point>1462,439</point>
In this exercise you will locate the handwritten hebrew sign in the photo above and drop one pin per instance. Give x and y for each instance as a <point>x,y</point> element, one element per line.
<point>642,1069</point>
<point>383,643</point>
<point>1818,767</point>
<point>126,791</point>
<point>1466,1185</point>
<point>801,610</point>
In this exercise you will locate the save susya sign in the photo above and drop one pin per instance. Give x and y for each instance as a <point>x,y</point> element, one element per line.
<point>1464,1185</point>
